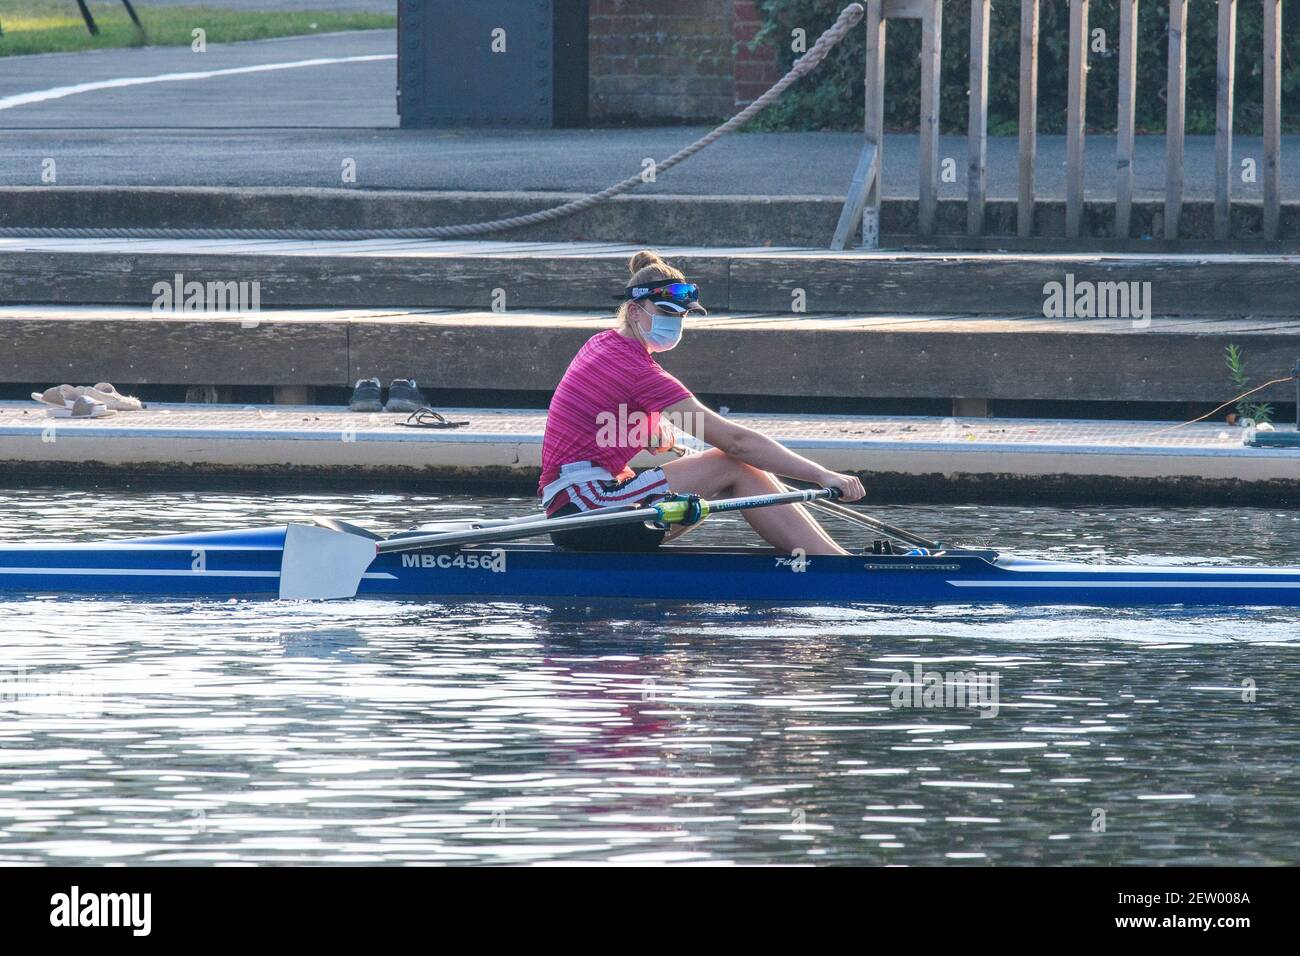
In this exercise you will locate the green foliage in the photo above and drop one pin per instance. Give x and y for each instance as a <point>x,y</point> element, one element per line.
<point>832,97</point>
<point>1258,412</point>
<point>42,26</point>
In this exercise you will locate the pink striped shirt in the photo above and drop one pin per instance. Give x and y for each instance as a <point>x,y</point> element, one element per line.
<point>607,406</point>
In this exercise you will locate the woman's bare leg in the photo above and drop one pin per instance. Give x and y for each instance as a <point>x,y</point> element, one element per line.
<point>714,474</point>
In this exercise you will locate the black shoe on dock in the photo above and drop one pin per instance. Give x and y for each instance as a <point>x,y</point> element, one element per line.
<point>404,396</point>
<point>366,396</point>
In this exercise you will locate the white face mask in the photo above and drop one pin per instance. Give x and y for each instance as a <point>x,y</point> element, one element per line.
<point>665,332</point>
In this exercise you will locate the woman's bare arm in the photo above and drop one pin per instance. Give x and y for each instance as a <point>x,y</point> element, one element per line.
<point>755,448</point>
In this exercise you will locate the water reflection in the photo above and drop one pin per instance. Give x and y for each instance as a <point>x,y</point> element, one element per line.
<point>381,732</point>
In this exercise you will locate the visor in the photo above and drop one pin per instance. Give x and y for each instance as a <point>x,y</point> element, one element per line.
<point>669,307</point>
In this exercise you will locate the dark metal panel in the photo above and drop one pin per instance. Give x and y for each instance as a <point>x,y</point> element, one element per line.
<point>449,73</point>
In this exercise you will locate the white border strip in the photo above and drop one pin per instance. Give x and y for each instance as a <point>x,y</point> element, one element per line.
<point>1185,585</point>
<point>59,92</point>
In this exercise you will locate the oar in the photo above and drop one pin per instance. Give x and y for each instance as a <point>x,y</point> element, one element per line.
<point>867,521</point>
<point>848,514</point>
<point>321,563</point>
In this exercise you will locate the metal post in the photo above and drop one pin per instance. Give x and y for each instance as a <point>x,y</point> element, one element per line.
<point>1297,395</point>
<point>134,19</point>
<point>85,15</point>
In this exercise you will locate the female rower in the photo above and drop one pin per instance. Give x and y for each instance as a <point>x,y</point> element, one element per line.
<point>615,400</point>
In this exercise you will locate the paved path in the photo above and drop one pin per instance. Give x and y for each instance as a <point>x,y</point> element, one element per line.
<point>289,127</point>
<point>350,6</point>
<point>184,89</point>
<point>773,164</point>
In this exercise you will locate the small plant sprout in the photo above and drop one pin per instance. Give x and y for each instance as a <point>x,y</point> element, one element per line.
<point>1260,413</point>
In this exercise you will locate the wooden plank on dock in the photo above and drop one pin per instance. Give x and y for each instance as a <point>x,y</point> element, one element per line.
<point>940,359</point>
<point>176,350</point>
<point>935,356</point>
<point>998,285</point>
<point>764,280</point>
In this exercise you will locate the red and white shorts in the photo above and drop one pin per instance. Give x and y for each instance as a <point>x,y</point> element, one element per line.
<point>589,495</point>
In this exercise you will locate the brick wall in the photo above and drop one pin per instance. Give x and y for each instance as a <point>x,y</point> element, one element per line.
<point>755,70</point>
<point>674,62</point>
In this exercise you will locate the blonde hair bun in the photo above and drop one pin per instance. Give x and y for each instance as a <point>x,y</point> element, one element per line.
<point>648,266</point>
<point>644,259</point>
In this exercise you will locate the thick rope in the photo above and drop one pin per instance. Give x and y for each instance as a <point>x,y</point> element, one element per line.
<point>1231,401</point>
<point>848,18</point>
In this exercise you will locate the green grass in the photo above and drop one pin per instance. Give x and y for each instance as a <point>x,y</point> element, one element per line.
<point>55,26</point>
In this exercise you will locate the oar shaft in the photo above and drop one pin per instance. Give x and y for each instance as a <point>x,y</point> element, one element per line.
<point>666,512</point>
<point>791,496</point>
<point>865,520</point>
<point>522,529</point>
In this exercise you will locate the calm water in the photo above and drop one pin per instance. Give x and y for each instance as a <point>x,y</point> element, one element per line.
<point>377,732</point>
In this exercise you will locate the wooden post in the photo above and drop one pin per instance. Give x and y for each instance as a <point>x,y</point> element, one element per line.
<point>1175,108</point>
<point>977,129</point>
<point>931,48</point>
<point>1028,115</point>
<point>1128,22</point>
<point>862,204</point>
<point>1272,116</point>
<point>865,183</point>
<point>1076,118</point>
<point>874,117</point>
<point>970,408</point>
<point>1223,118</point>
<point>293,394</point>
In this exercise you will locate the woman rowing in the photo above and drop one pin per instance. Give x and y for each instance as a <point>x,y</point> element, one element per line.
<point>615,400</point>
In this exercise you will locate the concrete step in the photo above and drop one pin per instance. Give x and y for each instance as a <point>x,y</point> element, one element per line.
<point>920,458</point>
<point>656,218</point>
<point>877,356</point>
<point>787,280</point>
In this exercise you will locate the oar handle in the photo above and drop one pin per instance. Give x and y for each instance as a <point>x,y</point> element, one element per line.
<point>675,511</point>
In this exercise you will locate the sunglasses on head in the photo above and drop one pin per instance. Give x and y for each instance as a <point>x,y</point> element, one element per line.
<point>681,292</point>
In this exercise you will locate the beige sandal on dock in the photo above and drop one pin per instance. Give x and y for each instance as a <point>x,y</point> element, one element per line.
<point>60,396</point>
<point>83,406</point>
<point>111,397</point>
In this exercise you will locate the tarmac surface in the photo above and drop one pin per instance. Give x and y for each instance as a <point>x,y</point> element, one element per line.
<point>277,122</point>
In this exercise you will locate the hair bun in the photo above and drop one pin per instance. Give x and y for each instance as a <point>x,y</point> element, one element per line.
<point>644,258</point>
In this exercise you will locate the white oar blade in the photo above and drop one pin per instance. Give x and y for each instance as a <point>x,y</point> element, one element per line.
<point>320,564</point>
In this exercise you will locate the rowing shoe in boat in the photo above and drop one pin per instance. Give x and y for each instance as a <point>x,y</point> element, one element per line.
<point>482,562</point>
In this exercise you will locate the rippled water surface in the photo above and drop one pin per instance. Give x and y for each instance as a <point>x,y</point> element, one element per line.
<point>384,732</point>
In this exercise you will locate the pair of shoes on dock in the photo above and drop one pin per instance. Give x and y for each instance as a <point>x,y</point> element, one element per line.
<point>86,401</point>
<point>403,396</point>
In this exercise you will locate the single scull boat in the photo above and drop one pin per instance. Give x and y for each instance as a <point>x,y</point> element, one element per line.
<point>476,563</point>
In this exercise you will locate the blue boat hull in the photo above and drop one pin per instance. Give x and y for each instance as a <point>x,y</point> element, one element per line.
<point>246,564</point>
